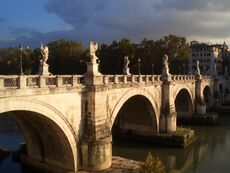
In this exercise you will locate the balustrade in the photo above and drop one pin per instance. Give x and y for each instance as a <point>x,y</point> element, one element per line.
<point>35,81</point>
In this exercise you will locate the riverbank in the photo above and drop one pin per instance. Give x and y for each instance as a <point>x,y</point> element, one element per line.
<point>121,165</point>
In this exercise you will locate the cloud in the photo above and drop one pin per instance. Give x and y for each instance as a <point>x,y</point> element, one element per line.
<point>140,18</point>
<point>107,20</point>
<point>195,5</point>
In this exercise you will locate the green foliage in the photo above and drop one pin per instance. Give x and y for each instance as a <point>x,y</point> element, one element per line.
<point>151,52</point>
<point>153,164</point>
<point>65,57</point>
<point>10,61</point>
<point>183,130</point>
<point>112,56</point>
<point>69,57</point>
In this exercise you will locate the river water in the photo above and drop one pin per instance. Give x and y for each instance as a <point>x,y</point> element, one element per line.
<point>210,153</point>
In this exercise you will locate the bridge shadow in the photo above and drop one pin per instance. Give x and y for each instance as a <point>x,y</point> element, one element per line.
<point>136,116</point>
<point>45,142</point>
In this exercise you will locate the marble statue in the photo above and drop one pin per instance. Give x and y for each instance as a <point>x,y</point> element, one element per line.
<point>165,61</point>
<point>44,54</point>
<point>197,67</point>
<point>165,71</point>
<point>126,64</point>
<point>92,51</point>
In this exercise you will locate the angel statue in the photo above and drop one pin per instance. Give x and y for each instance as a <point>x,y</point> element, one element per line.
<point>165,61</point>
<point>197,67</point>
<point>44,54</point>
<point>92,51</point>
<point>126,63</point>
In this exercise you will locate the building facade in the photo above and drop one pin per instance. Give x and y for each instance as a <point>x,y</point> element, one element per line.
<point>210,57</point>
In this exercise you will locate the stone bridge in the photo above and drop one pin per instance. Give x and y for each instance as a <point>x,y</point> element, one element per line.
<point>67,120</point>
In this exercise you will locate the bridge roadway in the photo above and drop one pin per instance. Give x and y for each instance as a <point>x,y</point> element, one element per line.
<point>67,120</point>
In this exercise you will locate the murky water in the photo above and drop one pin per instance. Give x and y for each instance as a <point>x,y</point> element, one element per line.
<point>10,138</point>
<point>210,153</point>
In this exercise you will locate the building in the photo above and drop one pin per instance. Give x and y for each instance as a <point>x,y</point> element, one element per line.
<point>210,57</point>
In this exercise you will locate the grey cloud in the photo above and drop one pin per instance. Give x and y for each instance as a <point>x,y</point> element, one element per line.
<point>139,18</point>
<point>75,12</point>
<point>195,5</point>
<point>106,20</point>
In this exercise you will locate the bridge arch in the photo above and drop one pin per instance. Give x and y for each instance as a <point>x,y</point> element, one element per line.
<point>183,101</point>
<point>208,98</point>
<point>132,97</point>
<point>51,141</point>
<point>221,88</point>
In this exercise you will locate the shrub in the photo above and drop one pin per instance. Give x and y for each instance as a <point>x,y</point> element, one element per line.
<point>153,164</point>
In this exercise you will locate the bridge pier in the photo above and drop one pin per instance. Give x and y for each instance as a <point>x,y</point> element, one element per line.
<point>96,143</point>
<point>168,122</point>
<point>96,155</point>
<point>200,105</point>
<point>217,94</point>
<point>168,112</point>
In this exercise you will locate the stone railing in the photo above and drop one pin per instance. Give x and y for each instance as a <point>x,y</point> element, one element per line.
<point>115,79</point>
<point>182,77</point>
<point>35,81</point>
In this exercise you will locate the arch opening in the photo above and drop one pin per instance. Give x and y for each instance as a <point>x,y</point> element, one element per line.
<point>208,97</point>
<point>46,142</point>
<point>183,104</point>
<point>136,116</point>
<point>221,89</point>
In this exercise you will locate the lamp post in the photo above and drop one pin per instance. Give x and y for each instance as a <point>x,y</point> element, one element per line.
<point>152,69</point>
<point>139,66</point>
<point>184,68</point>
<point>21,51</point>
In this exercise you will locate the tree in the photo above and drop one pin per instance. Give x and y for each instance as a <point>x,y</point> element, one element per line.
<point>178,50</point>
<point>112,56</point>
<point>151,53</point>
<point>69,57</point>
<point>65,57</point>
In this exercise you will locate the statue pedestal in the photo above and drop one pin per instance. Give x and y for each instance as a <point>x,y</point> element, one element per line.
<point>165,75</point>
<point>92,68</point>
<point>126,71</point>
<point>44,69</point>
<point>93,76</point>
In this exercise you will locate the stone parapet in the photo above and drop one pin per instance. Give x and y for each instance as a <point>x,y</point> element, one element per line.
<point>36,81</point>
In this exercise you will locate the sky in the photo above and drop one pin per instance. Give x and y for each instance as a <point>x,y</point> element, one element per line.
<point>29,22</point>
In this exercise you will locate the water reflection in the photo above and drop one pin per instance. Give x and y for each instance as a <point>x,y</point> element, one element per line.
<point>10,138</point>
<point>210,153</point>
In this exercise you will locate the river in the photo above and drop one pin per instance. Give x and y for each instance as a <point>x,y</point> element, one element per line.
<point>210,153</point>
